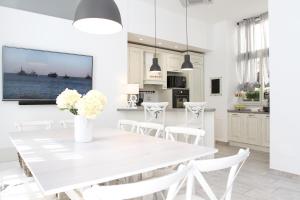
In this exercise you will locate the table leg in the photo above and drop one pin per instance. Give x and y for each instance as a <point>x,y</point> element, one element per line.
<point>62,196</point>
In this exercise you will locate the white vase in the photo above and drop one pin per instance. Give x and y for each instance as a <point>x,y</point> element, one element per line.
<point>83,129</point>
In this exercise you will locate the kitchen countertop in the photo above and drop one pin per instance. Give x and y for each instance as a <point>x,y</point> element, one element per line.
<point>247,111</point>
<point>140,108</point>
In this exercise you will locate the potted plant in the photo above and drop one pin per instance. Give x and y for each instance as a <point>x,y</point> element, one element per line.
<point>85,108</point>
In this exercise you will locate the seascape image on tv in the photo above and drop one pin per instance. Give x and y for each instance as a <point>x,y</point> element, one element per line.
<point>42,75</point>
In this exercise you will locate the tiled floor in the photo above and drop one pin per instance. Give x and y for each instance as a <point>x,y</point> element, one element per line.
<point>255,181</point>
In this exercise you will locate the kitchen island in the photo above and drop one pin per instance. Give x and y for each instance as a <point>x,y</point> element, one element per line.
<point>176,117</point>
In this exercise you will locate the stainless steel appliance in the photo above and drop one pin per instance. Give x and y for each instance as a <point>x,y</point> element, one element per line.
<point>176,82</point>
<point>176,97</point>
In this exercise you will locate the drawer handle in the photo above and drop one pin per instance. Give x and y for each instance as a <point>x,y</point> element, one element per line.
<point>251,115</point>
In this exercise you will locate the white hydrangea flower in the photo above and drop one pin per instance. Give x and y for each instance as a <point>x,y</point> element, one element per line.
<point>67,99</point>
<point>91,105</point>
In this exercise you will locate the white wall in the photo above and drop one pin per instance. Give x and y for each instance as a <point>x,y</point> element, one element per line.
<point>29,30</point>
<point>220,62</point>
<point>285,95</point>
<point>170,25</point>
<point>23,29</point>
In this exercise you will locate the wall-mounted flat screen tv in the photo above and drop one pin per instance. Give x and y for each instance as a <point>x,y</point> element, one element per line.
<point>30,74</point>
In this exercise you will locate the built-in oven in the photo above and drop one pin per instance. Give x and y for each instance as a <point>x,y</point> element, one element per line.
<point>179,97</point>
<point>176,82</point>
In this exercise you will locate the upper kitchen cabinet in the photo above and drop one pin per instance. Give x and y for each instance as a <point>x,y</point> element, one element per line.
<point>195,78</point>
<point>135,66</point>
<point>173,62</point>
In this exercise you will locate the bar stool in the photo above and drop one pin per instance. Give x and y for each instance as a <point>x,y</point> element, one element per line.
<point>194,114</point>
<point>155,112</point>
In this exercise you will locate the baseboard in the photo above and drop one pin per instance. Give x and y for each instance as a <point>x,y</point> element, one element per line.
<point>8,154</point>
<point>250,146</point>
<point>221,142</point>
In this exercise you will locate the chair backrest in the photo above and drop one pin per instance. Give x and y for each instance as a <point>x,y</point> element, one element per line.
<point>149,128</point>
<point>185,134</point>
<point>127,125</point>
<point>235,163</point>
<point>67,123</point>
<point>172,182</point>
<point>194,113</point>
<point>155,112</point>
<point>34,125</point>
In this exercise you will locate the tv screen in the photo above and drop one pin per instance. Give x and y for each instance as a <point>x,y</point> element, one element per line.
<point>30,74</point>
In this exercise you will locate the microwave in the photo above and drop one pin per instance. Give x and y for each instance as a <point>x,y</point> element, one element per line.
<point>176,82</point>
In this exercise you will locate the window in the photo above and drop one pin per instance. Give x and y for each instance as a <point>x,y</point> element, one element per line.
<point>253,59</point>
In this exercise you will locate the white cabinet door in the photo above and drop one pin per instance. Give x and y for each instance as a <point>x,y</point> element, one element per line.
<point>196,84</point>
<point>266,130</point>
<point>135,66</point>
<point>236,128</point>
<point>197,59</point>
<point>174,62</point>
<point>253,129</point>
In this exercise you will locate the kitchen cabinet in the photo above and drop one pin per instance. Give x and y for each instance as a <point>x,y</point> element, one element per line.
<point>195,79</point>
<point>253,129</point>
<point>266,130</point>
<point>135,66</point>
<point>236,127</point>
<point>249,130</point>
<point>140,61</point>
<point>173,62</point>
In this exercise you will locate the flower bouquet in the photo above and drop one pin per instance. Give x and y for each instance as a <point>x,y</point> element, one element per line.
<point>85,108</point>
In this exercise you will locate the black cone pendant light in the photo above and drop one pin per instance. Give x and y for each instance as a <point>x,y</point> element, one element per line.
<point>187,65</point>
<point>98,17</point>
<point>155,66</point>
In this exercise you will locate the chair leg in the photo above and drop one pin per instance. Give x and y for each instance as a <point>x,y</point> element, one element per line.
<point>20,160</point>
<point>27,172</point>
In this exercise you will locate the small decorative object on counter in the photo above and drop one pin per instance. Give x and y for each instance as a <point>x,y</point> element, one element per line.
<point>85,108</point>
<point>132,90</point>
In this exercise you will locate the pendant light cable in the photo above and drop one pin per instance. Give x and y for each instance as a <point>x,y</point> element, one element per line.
<point>186,26</point>
<point>155,26</point>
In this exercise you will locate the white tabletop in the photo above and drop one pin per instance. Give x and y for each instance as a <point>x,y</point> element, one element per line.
<point>59,164</point>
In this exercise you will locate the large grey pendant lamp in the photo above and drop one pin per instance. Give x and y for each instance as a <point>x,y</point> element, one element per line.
<point>155,66</point>
<point>98,17</point>
<point>187,65</point>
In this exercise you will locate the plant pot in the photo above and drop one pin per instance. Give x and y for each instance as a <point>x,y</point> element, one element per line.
<point>83,129</point>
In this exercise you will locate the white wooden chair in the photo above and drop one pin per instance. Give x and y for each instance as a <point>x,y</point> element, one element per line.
<point>171,182</point>
<point>235,164</point>
<point>150,129</point>
<point>127,125</point>
<point>155,112</point>
<point>33,125</point>
<point>185,134</point>
<point>194,114</point>
<point>67,123</point>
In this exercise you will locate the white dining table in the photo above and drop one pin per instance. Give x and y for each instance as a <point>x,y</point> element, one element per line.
<point>58,164</point>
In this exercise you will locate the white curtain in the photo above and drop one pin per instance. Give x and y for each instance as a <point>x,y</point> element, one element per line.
<point>253,50</point>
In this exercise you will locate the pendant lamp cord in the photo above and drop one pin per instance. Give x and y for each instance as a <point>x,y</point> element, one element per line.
<point>186,26</point>
<point>155,26</point>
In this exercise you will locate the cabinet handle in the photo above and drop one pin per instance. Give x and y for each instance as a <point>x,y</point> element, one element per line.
<point>251,115</point>
<point>235,114</point>
<point>268,116</point>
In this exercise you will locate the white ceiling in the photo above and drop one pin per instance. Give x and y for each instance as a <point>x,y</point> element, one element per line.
<point>233,10</point>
